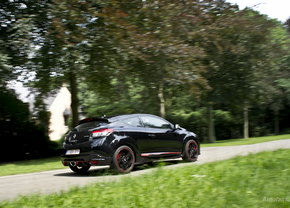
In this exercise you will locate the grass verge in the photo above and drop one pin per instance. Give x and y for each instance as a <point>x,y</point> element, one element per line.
<point>252,140</point>
<point>30,166</point>
<point>260,180</point>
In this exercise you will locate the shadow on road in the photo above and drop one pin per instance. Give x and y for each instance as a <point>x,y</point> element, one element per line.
<point>97,171</point>
<point>92,172</point>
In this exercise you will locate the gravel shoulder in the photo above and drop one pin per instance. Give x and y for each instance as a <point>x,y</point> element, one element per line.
<point>61,180</point>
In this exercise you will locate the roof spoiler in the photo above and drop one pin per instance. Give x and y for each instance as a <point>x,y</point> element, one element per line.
<point>92,119</point>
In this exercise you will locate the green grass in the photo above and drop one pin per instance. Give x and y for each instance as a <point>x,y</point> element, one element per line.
<point>260,180</point>
<point>30,166</point>
<point>252,140</point>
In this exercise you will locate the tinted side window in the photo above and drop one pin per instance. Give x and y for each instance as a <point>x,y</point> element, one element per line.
<point>152,122</point>
<point>135,121</point>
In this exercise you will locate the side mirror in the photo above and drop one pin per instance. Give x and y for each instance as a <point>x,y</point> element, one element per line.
<point>176,126</point>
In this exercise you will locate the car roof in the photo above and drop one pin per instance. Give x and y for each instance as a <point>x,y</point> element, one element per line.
<point>119,117</point>
<point>113,118</point>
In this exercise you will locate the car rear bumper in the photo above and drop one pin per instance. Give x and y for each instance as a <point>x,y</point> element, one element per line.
<point>89,158</point>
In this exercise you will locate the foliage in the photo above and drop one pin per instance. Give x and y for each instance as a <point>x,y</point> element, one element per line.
<point>227,126</point>
<point>131,97</point>
<point>79,43</point>
<point>263,176</point>
<point>148,56</point>
<point>23,137</point>
<point>285,84</point>
<point>236,57</point>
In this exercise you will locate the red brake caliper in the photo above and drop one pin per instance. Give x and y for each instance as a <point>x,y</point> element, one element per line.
<point>119,155</point>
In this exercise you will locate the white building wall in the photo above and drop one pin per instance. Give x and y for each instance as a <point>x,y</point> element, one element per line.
<point>57,126</point>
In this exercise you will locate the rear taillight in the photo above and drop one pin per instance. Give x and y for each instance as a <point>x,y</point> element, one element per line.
<point>102,132</point>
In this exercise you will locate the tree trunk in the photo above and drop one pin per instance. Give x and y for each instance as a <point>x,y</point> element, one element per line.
<point>276,122</point>
<point>211,131</point>
<point>74,99</point>
<point>162,101</point>
<point>246,123</point>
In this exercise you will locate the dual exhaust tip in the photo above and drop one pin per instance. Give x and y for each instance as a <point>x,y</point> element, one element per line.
<point>79,163</point>
<point>73,164</point>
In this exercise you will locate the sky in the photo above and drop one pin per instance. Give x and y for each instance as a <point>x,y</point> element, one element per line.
<point>276,9</point>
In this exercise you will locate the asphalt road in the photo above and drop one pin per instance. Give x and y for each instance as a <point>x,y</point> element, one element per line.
<point>58,180</point>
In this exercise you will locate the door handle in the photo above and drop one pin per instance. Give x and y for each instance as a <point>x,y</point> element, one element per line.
<point>151,135</point>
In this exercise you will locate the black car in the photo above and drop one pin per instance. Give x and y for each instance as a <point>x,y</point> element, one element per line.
<point>122,141</point>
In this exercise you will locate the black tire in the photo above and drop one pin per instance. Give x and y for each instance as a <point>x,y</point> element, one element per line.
<point>191,151</point>
<point>123,159</point>
<point>80,169</point>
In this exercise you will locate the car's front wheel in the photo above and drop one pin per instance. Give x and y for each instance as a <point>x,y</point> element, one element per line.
<point>191,151</point>
<point>123,159</point>
<point>79,169</point>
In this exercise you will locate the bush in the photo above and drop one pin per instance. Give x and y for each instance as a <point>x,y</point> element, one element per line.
<point>226,125</point>
<point>195,121</point>
<point>21,138</point>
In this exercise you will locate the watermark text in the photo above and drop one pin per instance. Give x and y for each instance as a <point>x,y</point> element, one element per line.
<point>275,199</point>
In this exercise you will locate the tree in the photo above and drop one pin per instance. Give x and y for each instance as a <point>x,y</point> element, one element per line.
<point>233,41</point>
<point>160,54</point>
<point>152,52</point>
<point>13,39</point>
<point>78,42</point>
<point>277,70</point>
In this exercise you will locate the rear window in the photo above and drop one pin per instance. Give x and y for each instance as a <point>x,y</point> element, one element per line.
<point>89,125</point>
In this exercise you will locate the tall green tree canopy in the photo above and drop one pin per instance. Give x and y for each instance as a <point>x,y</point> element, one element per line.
<point>173,54</point>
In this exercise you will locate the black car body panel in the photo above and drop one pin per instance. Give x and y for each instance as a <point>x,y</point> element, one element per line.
<point>95,140</point>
